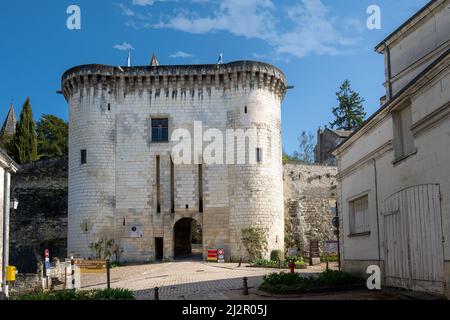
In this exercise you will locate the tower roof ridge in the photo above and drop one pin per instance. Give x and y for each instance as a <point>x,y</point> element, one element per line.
<point>154,61</point>
<point>9,126</point>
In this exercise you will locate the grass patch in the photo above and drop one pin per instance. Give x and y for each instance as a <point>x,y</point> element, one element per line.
<point>71,294</point>
<point>294,282</point>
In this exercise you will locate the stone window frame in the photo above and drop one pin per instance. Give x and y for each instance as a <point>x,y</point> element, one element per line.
<point>403,138</point>
<point>354,230</point>
<point>159,117</point>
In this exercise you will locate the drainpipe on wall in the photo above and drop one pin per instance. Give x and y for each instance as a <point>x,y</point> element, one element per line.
<point>5,257</point>
<point>376,207</point>
<point>389,70</point>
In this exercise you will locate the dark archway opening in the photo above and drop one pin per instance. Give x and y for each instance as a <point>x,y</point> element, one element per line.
<point>188,239</point>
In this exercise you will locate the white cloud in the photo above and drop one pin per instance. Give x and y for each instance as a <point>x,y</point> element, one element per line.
<point>180,54</point>
<point>143,2</point>
<point>123,46</point>
<point>308,27</point>
<point>126,11</point>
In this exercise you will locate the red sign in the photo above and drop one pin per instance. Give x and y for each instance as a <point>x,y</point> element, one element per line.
<point>212,255</point>
<point>220,252</point>
<point>47,253</point>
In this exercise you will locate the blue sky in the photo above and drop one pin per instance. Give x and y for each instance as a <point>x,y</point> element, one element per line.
<point>317,43</point>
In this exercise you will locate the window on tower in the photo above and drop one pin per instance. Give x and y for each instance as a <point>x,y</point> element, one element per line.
<point>160,130</point>
<point>83,156</point>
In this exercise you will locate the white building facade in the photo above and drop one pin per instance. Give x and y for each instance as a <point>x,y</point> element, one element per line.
<point>394,171</point>
<point>7,167</point>
<point>124,184</point>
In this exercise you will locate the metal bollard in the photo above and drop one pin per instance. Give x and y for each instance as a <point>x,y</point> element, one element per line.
<point>156,294</point>
<point>245,292</point>
<point>108,275</point>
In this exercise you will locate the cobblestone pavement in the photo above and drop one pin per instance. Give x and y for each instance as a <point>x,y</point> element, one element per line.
<point>183,280</point>
<point>197,280</point>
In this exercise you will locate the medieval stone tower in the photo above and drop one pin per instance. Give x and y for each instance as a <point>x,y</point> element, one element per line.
<point>124,184</point>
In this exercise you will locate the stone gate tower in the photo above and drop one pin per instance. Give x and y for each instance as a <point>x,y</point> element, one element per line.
<point>124,182</point>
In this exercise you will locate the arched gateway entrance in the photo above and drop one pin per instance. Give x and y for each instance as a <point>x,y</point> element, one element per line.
<point>188,239</point>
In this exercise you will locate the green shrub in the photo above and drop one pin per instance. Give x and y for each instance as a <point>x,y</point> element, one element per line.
<point>330,258</point>
<point>71,294</point>
<point>111,294</point>
<point>335,278</point>
<point>299,263</point>
<point>255,241</point>
<point>295,258</point>
<point>263,263</point>
<point>291,282</point>
<point>276,255</point>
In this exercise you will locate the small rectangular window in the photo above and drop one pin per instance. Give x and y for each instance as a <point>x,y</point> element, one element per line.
<point>359,215</point>
<point>245,109</point>
<point>259,155</point>
<point>160,130</point>
<point>83,156</point>
<point>403,137</point>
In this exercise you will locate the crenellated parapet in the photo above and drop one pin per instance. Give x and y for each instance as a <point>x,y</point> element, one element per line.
<point>175,79</point>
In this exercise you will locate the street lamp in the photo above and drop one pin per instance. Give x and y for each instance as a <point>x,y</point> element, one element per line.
<point>335,222</point>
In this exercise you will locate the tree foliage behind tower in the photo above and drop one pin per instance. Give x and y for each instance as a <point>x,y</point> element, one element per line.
<point>52,136</point>
<point>6,143</point>
<point>350,113</point>
<point>24,146</point>
<point>305,151</point>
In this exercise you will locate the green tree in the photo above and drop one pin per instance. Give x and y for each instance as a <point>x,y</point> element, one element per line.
<point>24,141</point>
<point>52,136</point>
<point>6,143</point>
<point>350,112</point>
<point>306,145</point>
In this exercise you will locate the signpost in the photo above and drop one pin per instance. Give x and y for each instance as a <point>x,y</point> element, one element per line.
<point>330,247</point>
<point>47,262</point>
<point>47,267</point>
<point>221,255</point>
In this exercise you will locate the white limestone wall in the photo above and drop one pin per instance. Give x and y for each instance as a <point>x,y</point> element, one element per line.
<point>92,193</point>
<point>414,51</point>
<point>116,189</point>
<point>2,178</point>
<point>256,191</point>
<point>430,165</point>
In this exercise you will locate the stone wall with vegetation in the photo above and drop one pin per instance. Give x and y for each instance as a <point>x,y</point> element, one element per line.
<point>40,220</point>
<point>309,191</point>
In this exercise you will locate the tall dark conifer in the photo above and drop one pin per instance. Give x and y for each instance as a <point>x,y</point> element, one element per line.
<point>24,141</point>
<point>350,112</point>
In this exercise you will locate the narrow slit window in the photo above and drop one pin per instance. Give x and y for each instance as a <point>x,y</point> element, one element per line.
<point>259,155</point>
<point>172,186</point>
<point>200,188</point>
<point>83,156</point>
<point>245,109</point>
<point>158,186</point>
